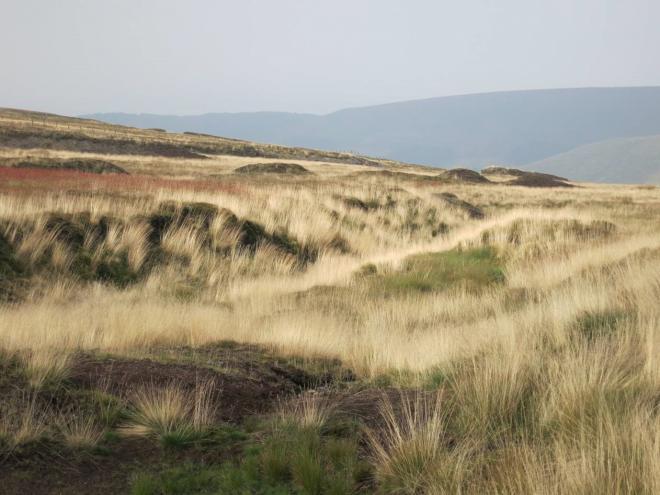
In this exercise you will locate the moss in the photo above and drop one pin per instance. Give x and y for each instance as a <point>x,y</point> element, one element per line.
<point>475,269</point>
<point>116,271</point>
<point>353,202</point>
<point>68,229</point>
<point>10,266</point>
<point>203,213</point>
<point>273,168</point>
<point>593,325</point>
<point>11,272</point>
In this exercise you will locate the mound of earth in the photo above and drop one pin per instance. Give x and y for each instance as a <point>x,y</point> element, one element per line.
<point>67,141</point>
<point>534,179</point>
<point>272,168</point>
<point>497,170</point>
<point>456,203</point>
<point>11,271</point>
<point>252,385</point>
<point>465,175</point>
<point>514,172</point>
<point>89,165</point>
<point>399,176</point>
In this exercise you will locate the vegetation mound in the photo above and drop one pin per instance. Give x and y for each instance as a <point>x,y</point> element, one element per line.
<point>10,271</point>
<point>272,168</point>
<point>253,386</point>
<point>456,203</point>
<point>497,170</point>
<point>70,141</point>
<point>465,175</point>
<point>515,172</point>
<point>535,179</point>
<point>89,165</point>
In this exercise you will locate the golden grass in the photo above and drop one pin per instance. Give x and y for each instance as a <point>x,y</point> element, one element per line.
<point>551,377</point>
<point>171,411</point>
<point>79,431</point>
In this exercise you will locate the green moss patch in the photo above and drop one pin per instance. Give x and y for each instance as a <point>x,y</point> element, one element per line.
<point>474,268</point>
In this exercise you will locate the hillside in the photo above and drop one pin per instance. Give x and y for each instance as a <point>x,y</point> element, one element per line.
<point>178,316</point>
<point>22,129</point>
<point>517,128</point>
<point>624,160</point>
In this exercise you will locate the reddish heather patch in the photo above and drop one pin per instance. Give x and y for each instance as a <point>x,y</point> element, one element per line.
<point>22,179</point>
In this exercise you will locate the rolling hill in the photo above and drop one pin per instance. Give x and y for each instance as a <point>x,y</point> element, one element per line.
<point>518,128</point>
<point>624,160</point>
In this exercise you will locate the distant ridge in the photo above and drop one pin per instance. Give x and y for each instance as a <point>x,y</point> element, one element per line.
<point>517,128</point>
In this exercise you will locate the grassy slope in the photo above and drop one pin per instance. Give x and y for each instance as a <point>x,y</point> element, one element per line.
<point>176,329</point>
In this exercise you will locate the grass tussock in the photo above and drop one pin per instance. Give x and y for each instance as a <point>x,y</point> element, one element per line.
<point>526,325</point>
<point>173,415</point>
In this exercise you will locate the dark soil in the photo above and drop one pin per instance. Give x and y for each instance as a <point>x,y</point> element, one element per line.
<point>273,168</point>
<point>249,387</point>
<point>11,272</point>
<point>514,172</point>
<point>66,141</point>
<point>247,381</point>
<point>81,164</point>
<point>455,202</point>
<point>534,179</point>
<point>465,175</point>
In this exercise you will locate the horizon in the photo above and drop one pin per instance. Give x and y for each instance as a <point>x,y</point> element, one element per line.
<point>427,98</point>
<point>207,57</point>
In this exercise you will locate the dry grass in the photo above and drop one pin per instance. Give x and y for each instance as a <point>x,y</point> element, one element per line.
<point>78,431</point>
<point>171,413</point>
<point>22,421</point>
<point>551,375</point>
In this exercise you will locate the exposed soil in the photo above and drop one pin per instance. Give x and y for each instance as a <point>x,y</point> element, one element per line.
<point>13,138</point>
<point>465,175</point>
<point>63,473</point>
<point>81,164</point>
<point>273,168</point>
<point>534,179</point>
<point>247,381</point>
<point>456,203</point>
<point>248,387</point>
<point>514,172</point>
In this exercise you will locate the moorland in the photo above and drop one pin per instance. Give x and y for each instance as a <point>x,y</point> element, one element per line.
<point>182,313</point>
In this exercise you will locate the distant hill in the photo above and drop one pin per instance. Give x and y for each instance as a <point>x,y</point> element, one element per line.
<point>631,160</point>
<point>517,128</point>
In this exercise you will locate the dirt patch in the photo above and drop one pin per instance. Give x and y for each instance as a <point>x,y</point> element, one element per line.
<point>13,138</point>
<point>465,175</point>
<point>456,203</point>
<point>92,166</point>
<point>534,179</point>
<point>248,387</point>
<point>52,472</point>
<point>527,179</point>
<point>11,273</point>
<point>280,168</point>
<point>514,172</point>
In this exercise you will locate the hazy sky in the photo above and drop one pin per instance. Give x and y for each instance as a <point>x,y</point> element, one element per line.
<point>197,56</point>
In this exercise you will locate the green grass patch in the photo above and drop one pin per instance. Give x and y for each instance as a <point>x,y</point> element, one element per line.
<point>593,325</point>
<point>290,459</point>
<point>473,268</point>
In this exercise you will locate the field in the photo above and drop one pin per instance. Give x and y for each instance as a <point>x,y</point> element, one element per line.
<point>316,323</point>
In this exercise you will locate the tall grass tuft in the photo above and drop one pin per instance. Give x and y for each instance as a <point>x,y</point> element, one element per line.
<point>172,414</point>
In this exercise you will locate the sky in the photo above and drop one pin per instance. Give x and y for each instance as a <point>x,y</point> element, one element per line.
<point>197,56</point>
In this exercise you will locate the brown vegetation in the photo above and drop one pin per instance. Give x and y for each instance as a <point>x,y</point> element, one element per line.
<point>387,332</point>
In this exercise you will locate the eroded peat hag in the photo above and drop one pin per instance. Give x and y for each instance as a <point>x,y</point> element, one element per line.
<point>390,328</point>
